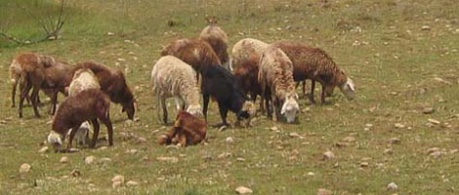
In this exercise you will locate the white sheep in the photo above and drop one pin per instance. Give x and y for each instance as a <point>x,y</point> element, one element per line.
<point>276,79</point>
<point>244,49</point>
<point>171,77</point>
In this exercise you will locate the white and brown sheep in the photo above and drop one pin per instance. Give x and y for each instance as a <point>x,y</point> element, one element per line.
<point>317,65</point>
<point>40,72</point>
<point>187,130</point>
<point>171,77</point>
<point>276,79</point>
<point>217,39</point>
<point>244,49</point>
<point>88,105</point>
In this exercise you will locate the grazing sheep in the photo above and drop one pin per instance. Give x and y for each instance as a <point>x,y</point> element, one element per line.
<point>187,130</point>
<point>221,85</point>
<point>317,65</point>
<point>171,77</point>
<point>89,104</point>
<point>276,79</point>
<point>41,72</point>
<point>244,49</point>
<point>217,39</point>
<point>246,75</point>
<point>198,54</point>
<point>113,83</point>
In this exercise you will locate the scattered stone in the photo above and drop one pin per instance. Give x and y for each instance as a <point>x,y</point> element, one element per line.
<point>349,139</point>
<point>328,155</point>
<point>425,27</point>
<point>24,168</point>
<point>224,155</point>
<point>240,159</point>
<point>103,148</point>
<point>388,151</point>
<point>394,140</point>
<point>64,159</point>
<point>141,139</point>
<point>43,149</point>
<point>432,150</point>
<point>110,33</point>
<point>244,190</point>
<point>433,121</point>
<point>132,183</point>
<point>117,178</point>
<point>75,173</point>
<point>364,164</point>
<point>428,110</point>
<point>293,135</point>
<point>436,154</point>
<point>311,173</point>
<point>392,186</point>
<point>73,150</point>
<point>274,128</point>
<point>89,160</point>
<point>132,151</point>
<point>399,126</point>
<point>168,159</point>
<point>341,144</point>
<point>229,140</point>
<point>324,192</point>
<point>117,184</point>
<point>453,151</point>
<point>105,160</point>
<point>222,128</point>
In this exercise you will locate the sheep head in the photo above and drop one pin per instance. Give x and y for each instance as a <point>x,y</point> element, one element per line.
<point>195,110</point>
<point>348,89</point>
<point>56,140</point>
<point>290,107</point>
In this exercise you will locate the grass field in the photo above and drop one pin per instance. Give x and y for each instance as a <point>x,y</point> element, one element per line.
<point>402,55</point>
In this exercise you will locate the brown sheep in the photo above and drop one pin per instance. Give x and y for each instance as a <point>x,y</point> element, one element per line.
<point>42,72</point>
<point>113,83</point>
<point>244,49</point>
<point>89,104</point>
<point>317,65</point>
<point>246,75</point>
<point>276,79</point>
<point>217,39</point>
<point>187,130</point>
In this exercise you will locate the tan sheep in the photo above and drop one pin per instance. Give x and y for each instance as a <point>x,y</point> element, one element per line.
<point>317,65</point>
<point>171,77</point>
<point>276,79</point>
<point>218,39</point>
<point>244,49</point>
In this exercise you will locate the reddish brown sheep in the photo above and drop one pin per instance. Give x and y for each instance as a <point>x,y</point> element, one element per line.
<point>187,130</point>
<point>246,75</point>
<point>41,72</point>
<point>113,83</point>
<point>89,104</point>
<point>317,65</point>
<point>217,39</point>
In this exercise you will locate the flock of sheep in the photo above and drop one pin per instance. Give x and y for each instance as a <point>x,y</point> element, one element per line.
<point>187,69</point>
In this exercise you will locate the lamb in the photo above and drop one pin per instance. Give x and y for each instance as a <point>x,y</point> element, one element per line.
<point>221,85</point>
<point>187,130</point>
<point>113,83</point>
<point>317,65</point>
<point>244,49</point>
<point>42,72</point>
<point>171,77</point>
<point>198,54</point>
<point>217,39</point>
<point>276,79</point>
<point>89,104</point>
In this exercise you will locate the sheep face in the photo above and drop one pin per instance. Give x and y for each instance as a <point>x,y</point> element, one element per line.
<point>248,110</point>
<point>290,108</point>
<point>348,89</point>
<point>195,110</point>
<point>56,140</point>
<point>130,108</point>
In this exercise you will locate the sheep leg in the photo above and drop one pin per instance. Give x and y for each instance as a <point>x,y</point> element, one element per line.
<point>304,88</point>
<point>96,126</point>
<point>179,103</point>
<point>24,95</point>
<point>223,114</point>
<point>275,104</point>
<point>158,105</point>
<point>311,96</point>
<point>72,135</point>
<point>107,122</point>
<point>181,137</point>
<point>322,96</point>
<point>206,99</point>
<point>13,93</point>
<point>53,103</point>
<point>163,104</point>
<point>34,98</point>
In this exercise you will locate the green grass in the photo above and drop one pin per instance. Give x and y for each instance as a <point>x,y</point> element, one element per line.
<point>381,44</point>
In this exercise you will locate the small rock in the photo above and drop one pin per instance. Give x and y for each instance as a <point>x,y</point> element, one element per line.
<point>311,173</point>
<point>243,190</point>
<point>105,160</point>
<point>132,151</point>
<point>392,186</point>
<point>328,155</point>
<point>89,160</point>
<point>24,168</point>
<point>436,154</point>
<point>433,121</point>
<point>432,150</point>
<point>349,139</point>
<point>222,128</point>
<point>293,135</point>
<point>168,159</point>
<point>73,150</point>
<point>103,148</point>
<point>142,139</point>
<point>388,151</point>
<point>453,151</point>
<point>394,140</point>
<point>110,33</point>
<point>399,126</point>
<point>364,164</point>
<point>240,159</point>
<point>425,27</point>
<point>43,149</point>
<point>64,159</point>
<point>324,192</point>
<point>224,155</point>
<point>132,183</point>
<point>75,173</point>
<point>229,140</point>
<point>428,110</point>
<point>117,178</point>
<point>117,184</point>
<point>274,128</point>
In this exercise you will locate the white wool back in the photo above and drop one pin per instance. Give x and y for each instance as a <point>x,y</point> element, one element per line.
<point>83,79</point>
<point>244,48</point>
<point>171,77</point>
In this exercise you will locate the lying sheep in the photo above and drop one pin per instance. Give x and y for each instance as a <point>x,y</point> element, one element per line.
<point>244,49</point>
<point>171,77</point>
<point>217,39</point>
<point>221,85</point>
<point>317,65</point>
<point>41,72</point>
<point>113,83</point>
<point>276,79</point>
<point>88,105</point>
<point>187,130</point>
